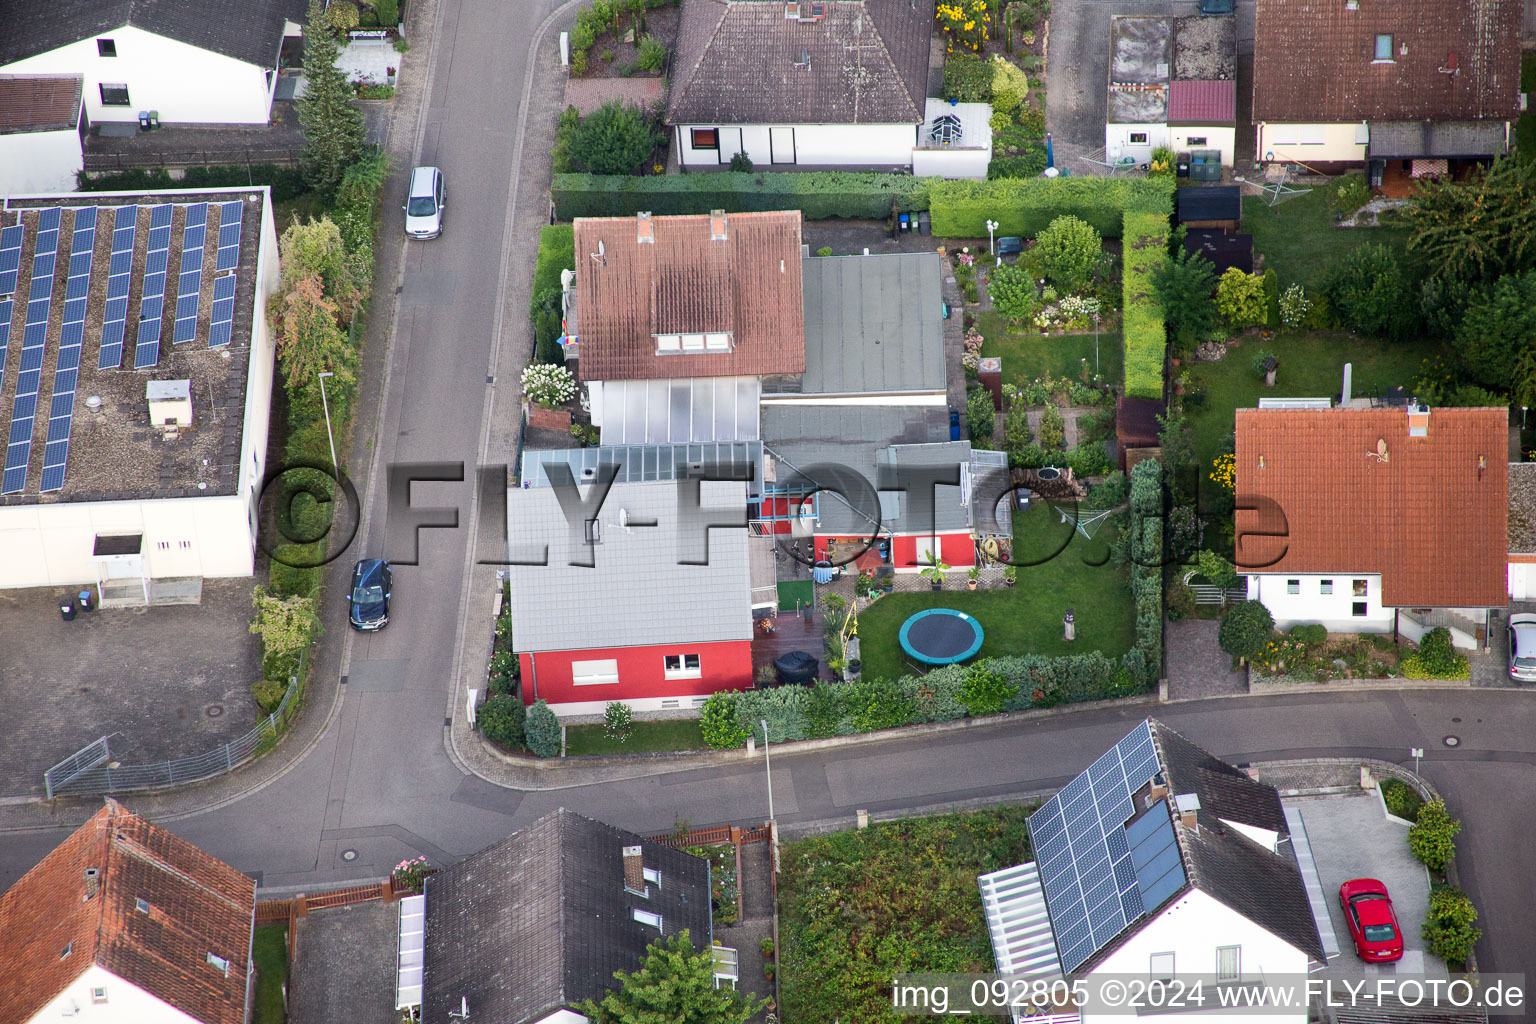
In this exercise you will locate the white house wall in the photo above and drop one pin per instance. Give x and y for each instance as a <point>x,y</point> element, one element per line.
<point>258,384</point>
<point>40,161</point>
<point>952,162</point>
<point>1522,581</point>
<point>125,1003</point>
<point>1312,143</point>
<point>844,145</point>
<point>1219,137</point>
<point>187,85</point>
<point>1311,607</point>
<point>1192,928</point>
<point>1118,144</point>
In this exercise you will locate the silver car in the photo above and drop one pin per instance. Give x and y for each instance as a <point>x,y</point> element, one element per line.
<point>424,203</point>
<point>1522,648</point>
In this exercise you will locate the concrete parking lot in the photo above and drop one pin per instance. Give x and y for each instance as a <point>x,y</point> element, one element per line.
<point>160,683</point>
<point>1352,837</point>
<point>344,967</point>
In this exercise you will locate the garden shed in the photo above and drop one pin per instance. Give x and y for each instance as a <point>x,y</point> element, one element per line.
<point>1136,425</point>
<point>1222,249</point>
<point>1215,207</point>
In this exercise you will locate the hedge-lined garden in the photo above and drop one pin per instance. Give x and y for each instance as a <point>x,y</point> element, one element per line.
<point>818,194</point>
<point>1146,338</point>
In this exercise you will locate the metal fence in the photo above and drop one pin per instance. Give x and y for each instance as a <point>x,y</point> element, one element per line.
<point>85,773</point>
<point>284,156</point>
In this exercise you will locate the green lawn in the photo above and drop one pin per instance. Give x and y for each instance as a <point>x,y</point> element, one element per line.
<point>270,951</point>
<point>647,736</point>
<point>1026,618</point>
<point>1298,239</point>
<point>1311,366</point>
<point>1027,356</point>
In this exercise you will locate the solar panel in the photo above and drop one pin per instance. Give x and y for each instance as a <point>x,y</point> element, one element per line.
<point>7,310</point>
<point>18,449</point>
<point>222,325</point>
<point>1091,883</point>
<point>66,372</point>
<point>146,348</point>
<point>229,235</point>
<point>189,285</point>
<point>10,256</point>
<point>115,321</point>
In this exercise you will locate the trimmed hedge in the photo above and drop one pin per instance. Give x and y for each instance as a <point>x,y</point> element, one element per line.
<point>1144,333</point>
<point>1024,206</point>
<point>818,194</point>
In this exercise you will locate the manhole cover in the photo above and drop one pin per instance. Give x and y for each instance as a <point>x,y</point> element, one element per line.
<point>349,855</point>
<point>214,710</point>
<point>1452,741</point>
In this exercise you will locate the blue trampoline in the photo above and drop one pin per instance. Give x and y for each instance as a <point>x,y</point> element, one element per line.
<point>941,636</point>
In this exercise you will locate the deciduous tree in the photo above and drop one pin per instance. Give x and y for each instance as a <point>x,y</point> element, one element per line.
<point>674,985</point>
<point>308,339</point>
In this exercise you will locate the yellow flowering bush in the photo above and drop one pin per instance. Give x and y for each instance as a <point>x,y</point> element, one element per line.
<point>968,25</point>
<point>1224,471</point>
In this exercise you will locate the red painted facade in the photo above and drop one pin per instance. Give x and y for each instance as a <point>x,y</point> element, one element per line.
<point>723,665</point>
<point>955,549</point>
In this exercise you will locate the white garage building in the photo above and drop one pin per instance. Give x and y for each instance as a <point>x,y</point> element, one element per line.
<point>137,388</point>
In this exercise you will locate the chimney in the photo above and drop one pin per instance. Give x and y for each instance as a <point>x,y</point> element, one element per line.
<point>717,225</point>
<point>634,869</point>
<point>1158,790</point>
<point>646,231</point>
<point>1348,380</point>
<point>1418,419</point>
<point>1188,804</point>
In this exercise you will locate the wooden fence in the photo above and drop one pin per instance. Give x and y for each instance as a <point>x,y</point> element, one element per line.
<point>288,911</point>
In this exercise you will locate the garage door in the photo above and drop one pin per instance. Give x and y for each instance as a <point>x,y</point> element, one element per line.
<point>1522,581</point>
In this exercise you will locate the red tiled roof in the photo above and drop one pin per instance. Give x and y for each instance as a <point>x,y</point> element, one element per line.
<point>686,281</point>
<point>1202,102</point>
<point>1313,60</point>
<point>197,905</point>
<point>34,103</point>
<point>1429,517</point>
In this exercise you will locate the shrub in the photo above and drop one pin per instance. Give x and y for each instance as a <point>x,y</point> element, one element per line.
<point>286,626</point>
<point>1262,362</point>
<point>653,54</point>
<point>388,11</point>
<point>547,385</point>
<point>1432,839</point>
<point>1349,194</point>
<point>1240,299</point>
<point>968,78</point>
<point>1450,926</point>
<point>1088,460</point>
<point>1013,292</point>
<point>1271,299</point>
<point>817,194</point>
<point>1436,651</point>
<point>825,250</point>
<point>740,162</point>
<point>985,691</point>
<point>1294,306</point>
<point>1245,629</point>
<point>1183,285</point>
<point>1053,431</point>
<point>1402,800</point>
<point>615,139</point>
<point>1031,122</point>
<point>1161,164</point>
<point>269,694</point>
<point>1370,293</point>
<point>718,721</point>
<point>961,208</point>
<point>980,415</point>
<point>1027,165</point>
<point>501,721</point>
<point>1217,569</point>
<point>1009,85</point>
<point>618,721</point>
<point>1068,250</point>
<point>1311,635</point>
<point>541,730</point>
<point>999,122</point>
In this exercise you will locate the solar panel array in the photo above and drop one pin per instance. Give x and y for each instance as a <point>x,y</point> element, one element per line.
<point>146,349</point>
<point>223,325</point>
<point>229,235</point>
<point>1092,882</point>
<point>125,229</point>
<point>18,448</point>
<point>66,374</point>
<point>10,256</point>
<point>190,284</point>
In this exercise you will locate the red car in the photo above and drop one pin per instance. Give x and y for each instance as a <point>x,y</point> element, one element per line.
<point>1372,921</point>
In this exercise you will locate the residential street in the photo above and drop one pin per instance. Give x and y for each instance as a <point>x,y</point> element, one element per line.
<point>374,778</point>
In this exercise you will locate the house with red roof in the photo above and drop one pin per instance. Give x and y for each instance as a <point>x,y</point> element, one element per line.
<point>125,921</point>
<point>1172,82</point>
<point>1384,520</point>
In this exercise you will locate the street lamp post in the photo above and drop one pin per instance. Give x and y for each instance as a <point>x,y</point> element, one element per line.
<point>991,242</point>
<point>328,434</point>
<point>1095,344</point>
<point>768,763</point>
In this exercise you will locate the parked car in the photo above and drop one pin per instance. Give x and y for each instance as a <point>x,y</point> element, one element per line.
<point>1372,921</point>
<point>368,600</point>
<point>1522,648</point>
<point>424,203</point>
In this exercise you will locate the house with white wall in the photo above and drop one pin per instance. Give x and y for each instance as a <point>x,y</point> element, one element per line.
<point>1415,87</point>
<point>42,128</point>
<point>834,84</point>
<point>1160,861</point>
<point>127,923</point>
<point>138,411</point>
<point>193,63</point>
<point>1172,82</point>
<point>1385,520</point>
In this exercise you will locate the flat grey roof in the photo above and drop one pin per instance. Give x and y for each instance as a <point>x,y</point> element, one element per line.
<point>641,463</point>
<point>873,324</point>
<point>636,593</point>
<point>1140,62</point>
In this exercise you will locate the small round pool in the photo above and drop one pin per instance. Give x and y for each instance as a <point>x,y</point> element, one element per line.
<point>941,636</point>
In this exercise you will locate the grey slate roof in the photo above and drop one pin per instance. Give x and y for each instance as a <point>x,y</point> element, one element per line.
<point>736,63</point>
<point>542,919</point>
<point>871,441</point>
<point>247,30</point>
<point>873,324</point>
<point>636,594</point>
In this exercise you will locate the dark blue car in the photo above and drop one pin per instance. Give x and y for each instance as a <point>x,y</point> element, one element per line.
<point>368,601</point>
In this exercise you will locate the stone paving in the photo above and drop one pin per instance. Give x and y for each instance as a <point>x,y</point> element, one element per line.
<point>369,60</point>
<point>1196,666</point>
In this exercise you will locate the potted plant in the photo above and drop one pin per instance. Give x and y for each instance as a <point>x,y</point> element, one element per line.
<point>935,571</point>
<point>864,586</point>
<point>972,577</point>
<point>1010,575</point>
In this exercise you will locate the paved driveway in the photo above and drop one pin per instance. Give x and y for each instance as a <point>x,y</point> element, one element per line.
<point>159,682</point>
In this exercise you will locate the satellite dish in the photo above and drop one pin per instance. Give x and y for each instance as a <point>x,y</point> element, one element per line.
<point>624,518</point>
<point>1381,447</point>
